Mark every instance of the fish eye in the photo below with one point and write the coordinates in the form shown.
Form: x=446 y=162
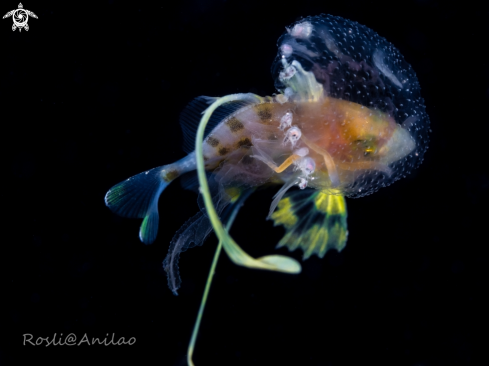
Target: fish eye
x=369 y=150
x=368 y=146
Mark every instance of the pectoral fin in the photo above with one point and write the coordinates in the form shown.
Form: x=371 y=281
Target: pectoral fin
x=315 y=221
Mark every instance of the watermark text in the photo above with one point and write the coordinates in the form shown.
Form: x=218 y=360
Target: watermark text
x=72 y=340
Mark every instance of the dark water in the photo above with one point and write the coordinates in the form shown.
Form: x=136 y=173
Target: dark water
x=91 y=94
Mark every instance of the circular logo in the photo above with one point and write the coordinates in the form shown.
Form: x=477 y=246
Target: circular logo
x=20 y=17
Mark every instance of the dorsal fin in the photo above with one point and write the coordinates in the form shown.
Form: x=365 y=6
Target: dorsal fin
x=191 y=115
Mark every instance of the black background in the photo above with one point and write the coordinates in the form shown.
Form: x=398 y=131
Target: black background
x=91 y=94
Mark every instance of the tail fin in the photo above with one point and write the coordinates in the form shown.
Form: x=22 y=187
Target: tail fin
x=138 y=197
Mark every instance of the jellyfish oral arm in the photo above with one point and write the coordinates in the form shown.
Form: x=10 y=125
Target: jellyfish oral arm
x=278 y=169
x=328 y=161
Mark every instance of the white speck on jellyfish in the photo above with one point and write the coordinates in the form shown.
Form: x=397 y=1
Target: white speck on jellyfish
x=286 y=49
x=287 y=73
x=378 y=59
x=301 y=30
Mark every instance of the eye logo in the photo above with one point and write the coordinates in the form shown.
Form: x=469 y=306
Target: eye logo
x=20 y=17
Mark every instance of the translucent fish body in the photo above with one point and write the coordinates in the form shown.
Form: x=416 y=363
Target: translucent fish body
x=343 y=138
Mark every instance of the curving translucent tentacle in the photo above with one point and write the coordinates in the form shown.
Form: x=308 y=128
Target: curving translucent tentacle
x=278 y=196
x=328 y=161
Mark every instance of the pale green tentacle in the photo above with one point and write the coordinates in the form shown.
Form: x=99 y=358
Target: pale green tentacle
x=195 y=331
x=278 y=263
x=191 y=345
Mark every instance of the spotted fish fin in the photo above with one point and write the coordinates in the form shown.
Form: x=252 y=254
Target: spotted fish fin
x=315 y=221
x=191 y=115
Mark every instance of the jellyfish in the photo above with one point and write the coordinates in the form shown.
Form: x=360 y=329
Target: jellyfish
x=347 y=119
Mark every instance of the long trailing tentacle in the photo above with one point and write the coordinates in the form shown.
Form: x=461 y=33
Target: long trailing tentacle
x=229 y=216
x=278 y=263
